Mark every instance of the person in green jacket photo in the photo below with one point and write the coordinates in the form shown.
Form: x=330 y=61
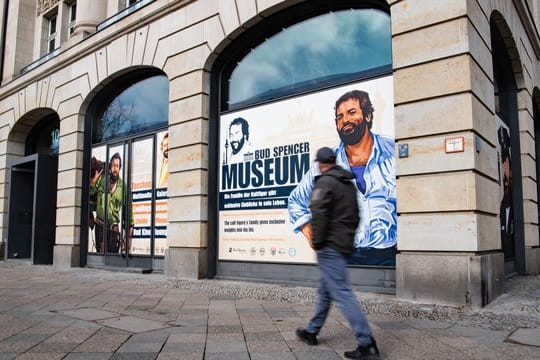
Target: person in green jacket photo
x=116 y=198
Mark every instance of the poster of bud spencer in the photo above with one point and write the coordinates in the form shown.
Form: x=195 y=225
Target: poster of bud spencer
x=267 y=172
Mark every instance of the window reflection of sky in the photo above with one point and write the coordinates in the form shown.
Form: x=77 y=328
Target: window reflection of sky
x=341 y=42
x=141 y=107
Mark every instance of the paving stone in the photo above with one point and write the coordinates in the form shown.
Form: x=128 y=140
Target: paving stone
x=186 y=338
x=182 y=356
x=89 y=314
x=88 y=356
x=220 y=338
x=133 y=356
x=281 y=355
x=319 y=355
x=191 y=322
x=140 y=347
x=233 y=346
x=132 y=324
x=52 y=347
x=427 y=324
x=226 y=329
x=264 y=336
x=8 y=356
x=41 y=356
x=523 y=336
x=267 y=346
x=227 y=356
x=179 y=347
x=189 y=330
x=15 y=346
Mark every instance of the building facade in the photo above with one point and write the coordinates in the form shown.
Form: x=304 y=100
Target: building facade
x=179 y=136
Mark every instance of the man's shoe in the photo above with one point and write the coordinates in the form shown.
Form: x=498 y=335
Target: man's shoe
x=364 y=352
x=306 y=336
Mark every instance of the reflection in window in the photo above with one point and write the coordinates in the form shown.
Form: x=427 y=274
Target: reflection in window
x=327 y=49
x=141 y=107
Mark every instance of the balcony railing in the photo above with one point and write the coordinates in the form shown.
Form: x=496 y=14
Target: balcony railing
x=122 y=14
x=41 y=60
x=102 y=25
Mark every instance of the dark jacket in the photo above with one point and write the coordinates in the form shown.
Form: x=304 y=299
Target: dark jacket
x=334 y=210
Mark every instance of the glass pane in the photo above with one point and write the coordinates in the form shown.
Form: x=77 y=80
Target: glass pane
x=108 y=195
x=162 y=179
x=141 y=189
x=141 y=107
x=97 y=188
x=326 y=49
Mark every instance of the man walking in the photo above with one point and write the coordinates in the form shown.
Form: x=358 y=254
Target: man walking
x=334 y=212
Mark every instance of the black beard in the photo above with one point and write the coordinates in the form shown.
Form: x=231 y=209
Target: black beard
x=239 y=144
x=355 y=135
x=113 y=177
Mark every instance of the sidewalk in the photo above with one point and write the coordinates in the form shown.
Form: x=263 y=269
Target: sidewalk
x=51 y=313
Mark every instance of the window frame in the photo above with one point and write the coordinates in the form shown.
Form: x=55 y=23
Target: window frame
x=72 y=17
x=51 y=32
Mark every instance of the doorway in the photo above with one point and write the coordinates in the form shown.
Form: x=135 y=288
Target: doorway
x=32 y=209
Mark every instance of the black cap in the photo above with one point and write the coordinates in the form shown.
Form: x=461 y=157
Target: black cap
x=326 y=155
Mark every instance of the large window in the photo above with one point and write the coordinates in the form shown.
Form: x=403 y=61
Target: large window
x=331 y=48
x=129 y=170
x=137 y=109
x=288 y=88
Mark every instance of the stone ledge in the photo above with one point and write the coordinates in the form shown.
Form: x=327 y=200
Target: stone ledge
x=464 y=279
x=67 y=256
x=186 y=263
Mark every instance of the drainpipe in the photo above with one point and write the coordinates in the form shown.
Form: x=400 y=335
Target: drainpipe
x=3 y=30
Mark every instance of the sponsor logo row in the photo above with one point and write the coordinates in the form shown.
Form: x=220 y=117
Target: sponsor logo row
x=274 y=251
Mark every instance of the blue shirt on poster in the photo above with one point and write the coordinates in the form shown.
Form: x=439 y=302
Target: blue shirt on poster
x=377 y=204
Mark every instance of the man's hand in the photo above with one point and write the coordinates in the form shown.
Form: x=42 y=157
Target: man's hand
x=307 y=231
x=96 y=177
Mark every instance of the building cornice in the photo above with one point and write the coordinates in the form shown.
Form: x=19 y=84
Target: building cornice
x=44 y=5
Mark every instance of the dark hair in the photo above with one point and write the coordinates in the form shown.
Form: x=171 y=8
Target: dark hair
x=95 y=166
x=115 y=156
x=504 y=141
x=245 y=126
x=363 y=101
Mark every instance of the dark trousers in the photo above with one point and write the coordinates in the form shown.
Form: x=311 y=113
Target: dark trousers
x=334 y=286
x=113 y=238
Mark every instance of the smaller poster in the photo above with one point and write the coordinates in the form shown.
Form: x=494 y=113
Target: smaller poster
x=162 y=181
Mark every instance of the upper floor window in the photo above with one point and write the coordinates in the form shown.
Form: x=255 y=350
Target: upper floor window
x=335 y=47
x=141 y=107
x=72 y=15
x=131 y=2
x=51 y=34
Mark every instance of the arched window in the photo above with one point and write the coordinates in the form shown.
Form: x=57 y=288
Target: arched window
x=128 y=171
x=331 y=48
x=279 y=84
x=139 y=108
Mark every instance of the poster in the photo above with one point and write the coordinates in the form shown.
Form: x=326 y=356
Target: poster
x=108 y=201
x=266 y=172
x=162 y=181
x=506 y=214
x=141 y=193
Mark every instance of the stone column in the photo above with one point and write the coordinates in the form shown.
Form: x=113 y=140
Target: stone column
x=448 y=230
x=89 y=14
x=70 y=164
